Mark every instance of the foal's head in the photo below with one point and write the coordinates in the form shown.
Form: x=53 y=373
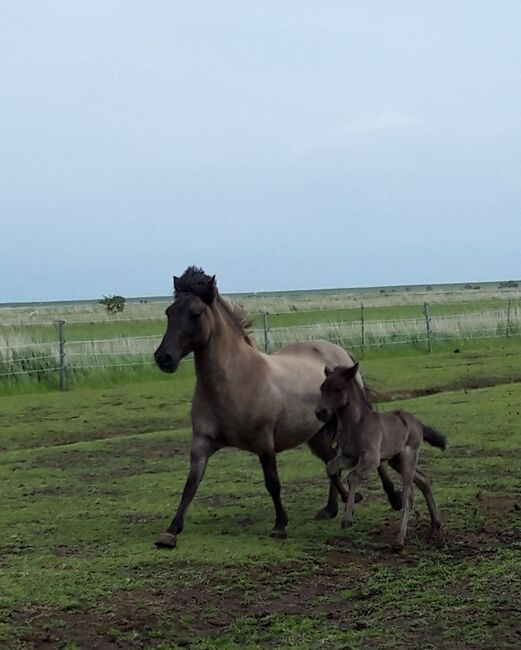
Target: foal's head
x=336 y=391
x=190 y=318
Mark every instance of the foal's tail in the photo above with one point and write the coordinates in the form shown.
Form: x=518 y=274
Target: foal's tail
x=434 y=438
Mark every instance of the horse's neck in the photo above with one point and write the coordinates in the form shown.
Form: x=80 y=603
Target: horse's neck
x=226 y=358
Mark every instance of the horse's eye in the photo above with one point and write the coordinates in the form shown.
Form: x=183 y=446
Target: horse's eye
x=195 y=316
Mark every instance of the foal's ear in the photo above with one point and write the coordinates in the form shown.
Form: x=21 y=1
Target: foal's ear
x=176 y=284
x=350 y=373
x=327 y=371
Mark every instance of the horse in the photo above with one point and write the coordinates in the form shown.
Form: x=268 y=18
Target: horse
x=244 y=398
x=366 y=438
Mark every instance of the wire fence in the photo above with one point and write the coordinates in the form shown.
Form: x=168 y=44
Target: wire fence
x=67 y=360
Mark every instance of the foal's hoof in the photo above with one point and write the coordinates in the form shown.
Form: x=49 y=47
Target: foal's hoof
x=359 y=497
x=166 y=540
x=325 y=514
x=278 y=533
x=346 y=523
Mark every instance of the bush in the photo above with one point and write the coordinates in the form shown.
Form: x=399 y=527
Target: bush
x=113 y=304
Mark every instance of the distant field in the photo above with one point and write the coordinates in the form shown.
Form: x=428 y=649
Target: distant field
x=94 y=474
x=121 y=345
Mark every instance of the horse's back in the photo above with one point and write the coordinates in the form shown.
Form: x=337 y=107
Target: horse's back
x=328 y=353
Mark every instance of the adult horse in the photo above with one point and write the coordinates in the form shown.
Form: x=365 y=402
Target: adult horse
x=244 y=398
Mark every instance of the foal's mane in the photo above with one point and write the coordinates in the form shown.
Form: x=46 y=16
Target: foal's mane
x=363 y=392
x=196 y=282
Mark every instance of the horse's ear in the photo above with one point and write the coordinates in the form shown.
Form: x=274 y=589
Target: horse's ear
x=327 y=371
x=176 y=283
x=350 y=373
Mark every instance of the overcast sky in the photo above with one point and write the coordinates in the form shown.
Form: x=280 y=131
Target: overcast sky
x=279 y=145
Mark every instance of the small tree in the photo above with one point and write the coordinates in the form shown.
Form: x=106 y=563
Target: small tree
x=113 y=304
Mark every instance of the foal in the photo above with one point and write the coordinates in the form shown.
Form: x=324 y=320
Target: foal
x=366 y=438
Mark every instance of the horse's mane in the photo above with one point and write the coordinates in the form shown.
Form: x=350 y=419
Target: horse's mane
x=195 y=281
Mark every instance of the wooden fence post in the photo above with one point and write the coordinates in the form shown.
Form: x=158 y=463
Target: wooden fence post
x=266 y=334
x=428 y=325
x=61 y=342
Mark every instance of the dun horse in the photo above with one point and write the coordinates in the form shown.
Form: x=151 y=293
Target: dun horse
x=367 y=438
x=243 y=398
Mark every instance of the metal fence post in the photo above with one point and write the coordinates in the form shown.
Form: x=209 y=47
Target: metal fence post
x=363 y=325
x=266 y=334
x=61 y=367
x=509 y=305
x=428 y=325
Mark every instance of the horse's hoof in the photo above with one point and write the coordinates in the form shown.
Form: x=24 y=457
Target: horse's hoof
x=278 y=533
x=345 y=523
x=397 y=547
x=166 y=540
x=324 y=514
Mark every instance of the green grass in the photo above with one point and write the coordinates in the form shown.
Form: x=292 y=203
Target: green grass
x=91 y=476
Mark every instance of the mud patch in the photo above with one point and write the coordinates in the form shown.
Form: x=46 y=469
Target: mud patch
x=131 y=450
x=473 y=383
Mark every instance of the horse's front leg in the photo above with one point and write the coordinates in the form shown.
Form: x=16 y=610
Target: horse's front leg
x=271 y=480
x=201 y=449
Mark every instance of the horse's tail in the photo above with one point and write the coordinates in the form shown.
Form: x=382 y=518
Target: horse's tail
x=434 y=438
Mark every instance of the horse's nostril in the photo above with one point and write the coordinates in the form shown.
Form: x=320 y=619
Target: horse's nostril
x=163 y=359
x=321 y=414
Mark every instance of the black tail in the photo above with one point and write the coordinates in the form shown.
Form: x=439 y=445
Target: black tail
x=434 y=438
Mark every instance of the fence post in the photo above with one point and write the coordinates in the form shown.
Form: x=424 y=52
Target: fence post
x=61 y=367
x=428 y=325
x=266 y=334
x=509 y=304
x=363 y=325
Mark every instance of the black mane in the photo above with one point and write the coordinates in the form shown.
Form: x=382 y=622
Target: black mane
x=194 y=280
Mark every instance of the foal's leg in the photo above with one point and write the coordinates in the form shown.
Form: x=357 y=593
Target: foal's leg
x=425 y=486
x=365 y=464
x=201 y=450
x=271 y=480
x=407 y=463
x=322 y=447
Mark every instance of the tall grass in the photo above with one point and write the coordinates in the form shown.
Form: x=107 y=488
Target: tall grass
x=29 y=354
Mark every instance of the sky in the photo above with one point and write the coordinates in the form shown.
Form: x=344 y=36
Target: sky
x=278 y=145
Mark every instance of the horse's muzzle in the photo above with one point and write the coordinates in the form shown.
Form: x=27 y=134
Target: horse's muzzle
x=323 y=415
x=165 y=361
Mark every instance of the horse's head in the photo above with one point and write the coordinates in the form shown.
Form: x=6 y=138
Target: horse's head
x=190 y=318
x=335 y=391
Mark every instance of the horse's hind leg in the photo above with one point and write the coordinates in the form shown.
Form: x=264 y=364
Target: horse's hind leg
x=425 y=486
x=201 y=450
x=271 y=480
x=322 y=447
x=394 y=495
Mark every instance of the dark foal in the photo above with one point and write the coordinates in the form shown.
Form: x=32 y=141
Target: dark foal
x=367 y=438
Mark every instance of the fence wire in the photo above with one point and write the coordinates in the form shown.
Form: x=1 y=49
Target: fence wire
x=19 y=357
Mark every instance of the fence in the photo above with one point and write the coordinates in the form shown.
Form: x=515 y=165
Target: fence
x=66 y=359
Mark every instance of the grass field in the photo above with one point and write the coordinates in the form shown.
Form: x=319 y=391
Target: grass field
x=92 y=475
